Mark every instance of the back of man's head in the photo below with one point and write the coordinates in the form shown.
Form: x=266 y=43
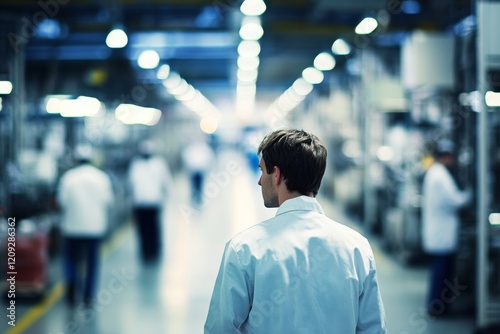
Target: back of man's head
x=445 y=147
x=445 y=152
x=146 y=148
x=300 y=156
x=83 y=154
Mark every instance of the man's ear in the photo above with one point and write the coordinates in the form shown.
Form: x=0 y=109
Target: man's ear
x=277 y=176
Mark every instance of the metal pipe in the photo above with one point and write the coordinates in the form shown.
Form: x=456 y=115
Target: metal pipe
x=483 y=170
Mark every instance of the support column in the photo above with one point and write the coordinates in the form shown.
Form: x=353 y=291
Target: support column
x=16 y=69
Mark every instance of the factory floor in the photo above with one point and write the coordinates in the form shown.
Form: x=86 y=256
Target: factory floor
x=172 y=296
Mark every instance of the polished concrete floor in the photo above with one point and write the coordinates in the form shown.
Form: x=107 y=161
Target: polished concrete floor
x=172 y=296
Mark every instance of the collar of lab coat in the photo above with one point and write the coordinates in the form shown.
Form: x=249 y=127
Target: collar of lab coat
x=301 y=203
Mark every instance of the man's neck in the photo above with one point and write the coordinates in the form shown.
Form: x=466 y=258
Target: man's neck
x=290 y=195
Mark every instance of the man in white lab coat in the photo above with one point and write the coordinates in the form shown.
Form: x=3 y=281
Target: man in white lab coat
x=149 y=180
x=198 y=158
x=441 y=202
x=85 y=196
x=299 y=272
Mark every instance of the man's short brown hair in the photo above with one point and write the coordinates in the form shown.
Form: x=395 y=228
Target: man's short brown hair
x=300 y=156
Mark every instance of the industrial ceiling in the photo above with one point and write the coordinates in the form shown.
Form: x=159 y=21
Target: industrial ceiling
x=197 y=38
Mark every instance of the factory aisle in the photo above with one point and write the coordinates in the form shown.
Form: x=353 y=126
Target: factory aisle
x=173 y=295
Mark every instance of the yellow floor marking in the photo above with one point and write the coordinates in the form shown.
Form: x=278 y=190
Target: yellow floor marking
x=38 y=310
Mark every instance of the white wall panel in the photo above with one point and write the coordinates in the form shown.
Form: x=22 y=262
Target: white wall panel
x=428 y=60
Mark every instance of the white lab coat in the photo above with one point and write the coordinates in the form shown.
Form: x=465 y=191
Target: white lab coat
x=441 y=201
x=149 y=180
x=198 y=157
x=85 y=195
x=299 y=272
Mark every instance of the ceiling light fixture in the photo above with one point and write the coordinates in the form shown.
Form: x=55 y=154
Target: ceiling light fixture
x=249 y=49
x=251 y=31
x=188 y=95
x=82 y=106
x=494 y=218
x=209 y=124
x=324 y=62
x=253 y=7
x=163 y=72
x=312 y=75
x=248 y=63
x=5 y=87
x=172 y=81
x=148 y=59
x=302 y=87
x=133 y=114
x=180 y=89
x=117 y=38
x=366 y=26
x=492 y=99
x=248 y=76
x=340 y=47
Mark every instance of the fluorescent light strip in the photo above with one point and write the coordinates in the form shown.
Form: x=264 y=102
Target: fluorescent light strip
x=492 y=99
x=253 y=7
x=190 y=97
x=366 y=26
x=83 y=106
x=5 y=87
x=133 y=114
x=494 y=219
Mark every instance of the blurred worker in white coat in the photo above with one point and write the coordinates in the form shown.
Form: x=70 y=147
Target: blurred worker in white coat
x=85 y=196
x=149 y=180
x=442 y=200
x=198 y=158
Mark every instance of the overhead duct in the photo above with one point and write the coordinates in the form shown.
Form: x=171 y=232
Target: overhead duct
x=353 y=5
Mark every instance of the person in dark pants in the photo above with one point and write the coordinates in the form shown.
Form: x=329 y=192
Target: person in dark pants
x=441 y=201
x=149 y=179
x=149 y=231
x=197 y=180
x=85 y=197
x=81 y=252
